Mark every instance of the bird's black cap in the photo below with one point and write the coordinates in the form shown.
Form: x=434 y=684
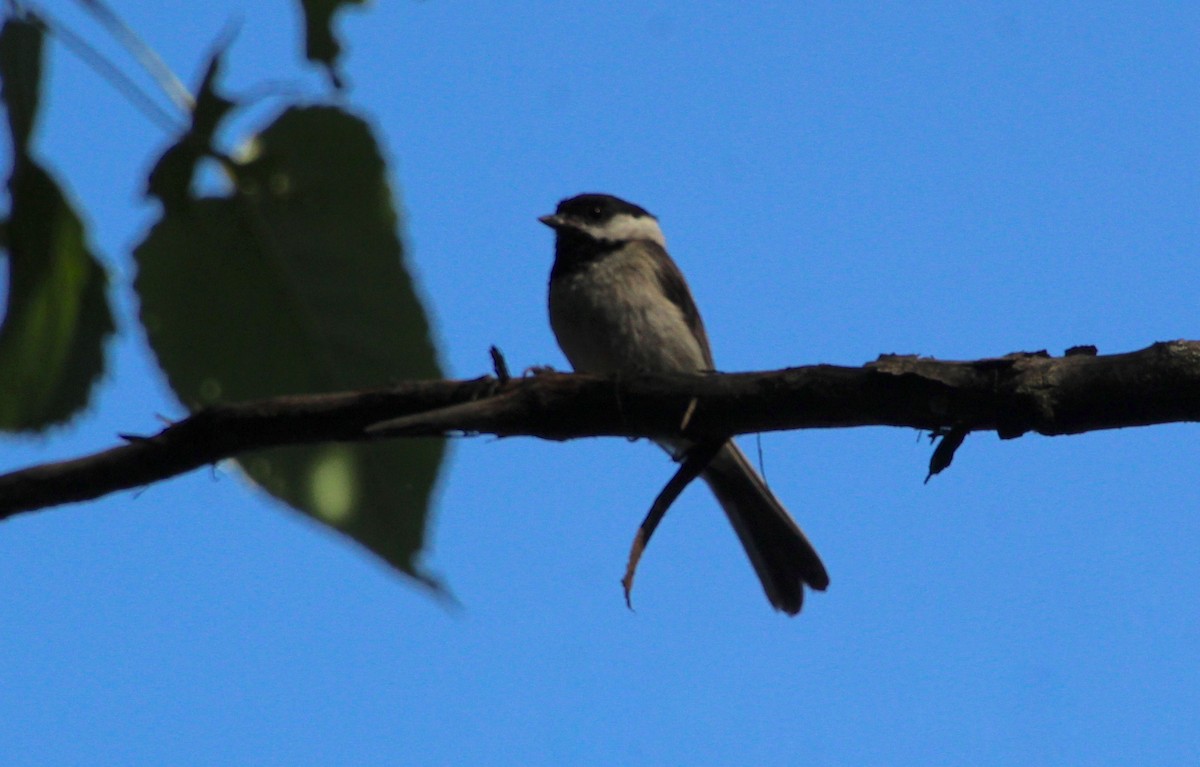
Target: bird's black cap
x=597 y=207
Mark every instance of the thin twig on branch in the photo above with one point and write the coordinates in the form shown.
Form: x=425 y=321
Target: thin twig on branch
x=1011 y=395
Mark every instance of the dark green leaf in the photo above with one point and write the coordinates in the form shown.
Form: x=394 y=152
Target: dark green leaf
x=52 y=340
x=171 y=179
x=21 y=72
x=320 y=44
x=57 y=318
x=296 y=284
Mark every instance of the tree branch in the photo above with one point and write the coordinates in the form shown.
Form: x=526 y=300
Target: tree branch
x=1011 y=395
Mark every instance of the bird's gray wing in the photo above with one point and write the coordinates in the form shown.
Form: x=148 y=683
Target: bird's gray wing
x=670 y=279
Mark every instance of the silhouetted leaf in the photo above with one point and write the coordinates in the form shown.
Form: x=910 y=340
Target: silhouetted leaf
x=171 y=178
x=52 y=340
x=21 y=72
x=57 y=316
x=320 y=45
x=293 y=284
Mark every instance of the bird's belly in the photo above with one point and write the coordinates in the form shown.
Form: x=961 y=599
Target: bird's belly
x=613 y=322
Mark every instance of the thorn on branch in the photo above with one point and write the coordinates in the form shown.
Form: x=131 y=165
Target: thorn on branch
x=695 y=461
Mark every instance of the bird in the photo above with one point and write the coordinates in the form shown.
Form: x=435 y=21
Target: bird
x=619 y=304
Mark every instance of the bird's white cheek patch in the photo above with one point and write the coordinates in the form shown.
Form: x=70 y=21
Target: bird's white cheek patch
x=626 y=228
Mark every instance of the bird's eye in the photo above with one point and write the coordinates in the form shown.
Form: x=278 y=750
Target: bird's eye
x=595 y=212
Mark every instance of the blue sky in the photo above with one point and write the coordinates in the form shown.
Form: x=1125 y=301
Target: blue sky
x=837 y=181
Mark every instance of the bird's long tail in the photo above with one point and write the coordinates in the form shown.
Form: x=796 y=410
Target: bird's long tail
x=782 y=556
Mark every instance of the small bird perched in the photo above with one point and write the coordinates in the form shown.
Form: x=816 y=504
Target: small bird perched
x=619 y=304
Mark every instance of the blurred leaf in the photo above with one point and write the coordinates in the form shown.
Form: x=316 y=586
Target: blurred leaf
x=21 y=72
x=57 y=317
x=294 y=284
x=52 y=340
x=320 y=44
x=171 y=179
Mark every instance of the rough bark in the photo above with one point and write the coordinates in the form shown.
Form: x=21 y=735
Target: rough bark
x=1012 y=395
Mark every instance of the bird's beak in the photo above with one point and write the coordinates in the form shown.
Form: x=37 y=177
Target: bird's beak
x=554 y=222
